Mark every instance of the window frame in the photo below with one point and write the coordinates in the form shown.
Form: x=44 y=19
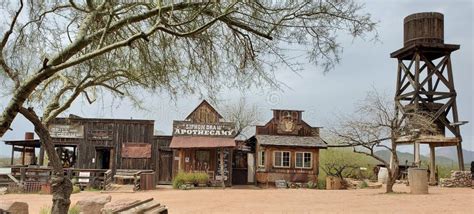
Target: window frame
x=260 y=161
x=302 y=162
x=274 y=159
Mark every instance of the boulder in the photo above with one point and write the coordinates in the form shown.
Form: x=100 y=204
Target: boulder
x=118 y=204
x=93 y=205
x=14 y=207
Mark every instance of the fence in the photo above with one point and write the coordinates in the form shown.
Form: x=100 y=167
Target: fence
x=31 y=179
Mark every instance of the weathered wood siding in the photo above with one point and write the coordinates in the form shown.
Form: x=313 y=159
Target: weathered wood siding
x=113 y=134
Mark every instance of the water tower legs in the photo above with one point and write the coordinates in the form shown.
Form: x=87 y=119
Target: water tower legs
x=433 y=180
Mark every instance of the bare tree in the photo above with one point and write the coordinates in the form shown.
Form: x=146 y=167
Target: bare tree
x=177 y=45
x=376 y=126
x=243 y=114
x=53 y=52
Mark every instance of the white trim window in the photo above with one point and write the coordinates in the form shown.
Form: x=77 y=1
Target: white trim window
x=303 y=160
x=281 y=159
x=261 y=159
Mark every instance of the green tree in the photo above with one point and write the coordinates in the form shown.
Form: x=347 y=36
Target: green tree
x=53 y=52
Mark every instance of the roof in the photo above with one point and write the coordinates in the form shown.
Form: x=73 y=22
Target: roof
x=78 y=118
x=283 y=140
x=27 y=143
x=201 y=142
x=204 y=102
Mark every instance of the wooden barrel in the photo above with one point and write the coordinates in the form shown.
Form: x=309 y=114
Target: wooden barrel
x=423 y=28
x=147 y=181
x=418 y=179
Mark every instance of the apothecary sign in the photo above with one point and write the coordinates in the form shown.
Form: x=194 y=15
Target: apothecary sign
x=222 y=129
x=66 y=131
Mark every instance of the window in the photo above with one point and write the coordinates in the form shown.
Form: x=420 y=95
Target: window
x=303 y=160
x=261 y=158
x=281 y=159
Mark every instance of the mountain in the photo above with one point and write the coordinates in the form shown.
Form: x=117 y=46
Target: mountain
x=405 y=156
x=451 y=152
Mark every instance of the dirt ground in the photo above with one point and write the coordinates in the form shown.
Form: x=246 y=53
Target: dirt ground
x=248 y=200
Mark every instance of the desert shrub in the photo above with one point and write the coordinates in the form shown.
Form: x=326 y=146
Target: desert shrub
x=312 y=185
x=343 y=162
x=321 y=183
x=72 y=210
x=201 y=177
x=76 y=189
x=189 y=177
x=363 y=185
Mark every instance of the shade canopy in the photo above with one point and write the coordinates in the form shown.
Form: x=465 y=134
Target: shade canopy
x=201 y=142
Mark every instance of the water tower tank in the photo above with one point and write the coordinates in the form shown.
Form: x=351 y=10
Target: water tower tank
x=424 y=28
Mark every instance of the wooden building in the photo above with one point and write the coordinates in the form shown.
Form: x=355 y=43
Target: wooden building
x=204 y=142
x=287 y=148
x=93 y=143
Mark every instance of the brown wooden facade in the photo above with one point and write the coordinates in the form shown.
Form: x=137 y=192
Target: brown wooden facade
x=287 y=133
x=108 y=143
x=202 y=150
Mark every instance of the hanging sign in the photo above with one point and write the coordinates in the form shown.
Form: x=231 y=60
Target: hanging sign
x=66 y=131
x=222 y=129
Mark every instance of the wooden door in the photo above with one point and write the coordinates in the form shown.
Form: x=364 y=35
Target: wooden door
x=166 y=167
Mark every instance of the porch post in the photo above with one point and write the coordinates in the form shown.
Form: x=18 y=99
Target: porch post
x=13 y=153
x=23 y=156
x=222 y=166
x=432 y=165
x=181 y=160
x=417 y=154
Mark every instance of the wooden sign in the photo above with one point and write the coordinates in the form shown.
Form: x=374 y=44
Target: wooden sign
x=100 y=135
x=187 y=128
x=66 y=131
x=136 y=150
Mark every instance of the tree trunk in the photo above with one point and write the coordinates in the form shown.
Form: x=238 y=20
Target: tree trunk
x=392 y=176
x=61 y=185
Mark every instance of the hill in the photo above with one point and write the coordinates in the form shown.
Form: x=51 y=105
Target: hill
x=405 y=156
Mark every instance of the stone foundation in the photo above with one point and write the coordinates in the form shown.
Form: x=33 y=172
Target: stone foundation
x=458 y=179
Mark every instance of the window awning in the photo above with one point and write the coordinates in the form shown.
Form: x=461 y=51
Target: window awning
x=201 y=142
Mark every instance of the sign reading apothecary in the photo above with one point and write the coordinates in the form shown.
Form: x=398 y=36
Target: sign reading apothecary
x=221 y=129
x=66 y=131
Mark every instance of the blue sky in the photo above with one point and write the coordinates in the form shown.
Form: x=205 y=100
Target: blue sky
x=365 y=65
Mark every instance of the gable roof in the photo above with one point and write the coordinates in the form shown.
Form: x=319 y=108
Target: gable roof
x=204 y=102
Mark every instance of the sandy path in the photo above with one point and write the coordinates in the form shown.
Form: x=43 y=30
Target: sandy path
x=441 y=200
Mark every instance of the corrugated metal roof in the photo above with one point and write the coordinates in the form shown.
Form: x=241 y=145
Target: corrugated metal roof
x=201 y=142
x=281 y=140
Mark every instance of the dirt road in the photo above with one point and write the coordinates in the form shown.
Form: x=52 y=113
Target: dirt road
x=440 y=200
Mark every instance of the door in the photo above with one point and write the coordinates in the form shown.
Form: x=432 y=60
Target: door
x=251 y=167
x=102 y=158
x=166 y=167
x=239 y=168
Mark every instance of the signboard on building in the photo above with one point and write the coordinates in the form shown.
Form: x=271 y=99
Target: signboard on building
x=187 y=128
x=136 y=150
x=66 y=131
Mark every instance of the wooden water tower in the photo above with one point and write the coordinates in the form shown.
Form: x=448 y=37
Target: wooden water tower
x=425 y=84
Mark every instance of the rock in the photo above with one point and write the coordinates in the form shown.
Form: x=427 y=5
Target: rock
x=93 y=205
x=119 y=204
x=458 y=179
x=14 y=207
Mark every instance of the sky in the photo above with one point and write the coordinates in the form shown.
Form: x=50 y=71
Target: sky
x=365 y=66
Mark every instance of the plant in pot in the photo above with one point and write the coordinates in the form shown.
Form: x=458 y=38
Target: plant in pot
x=202 y=179
x=189 y=179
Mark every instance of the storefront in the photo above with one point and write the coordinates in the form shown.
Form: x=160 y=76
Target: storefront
x=287 y=148
x=204 y=142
